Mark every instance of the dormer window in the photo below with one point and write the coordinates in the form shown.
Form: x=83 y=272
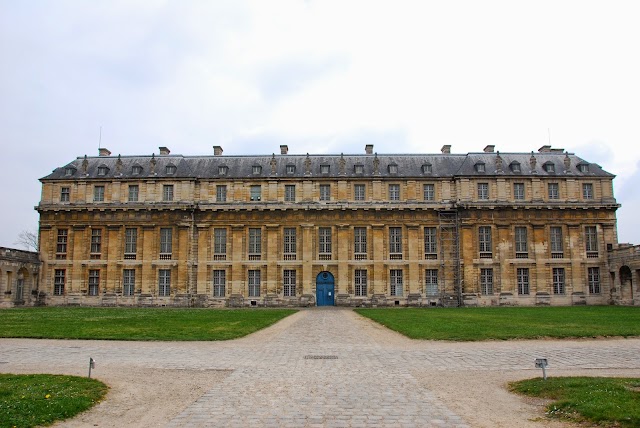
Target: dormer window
x=426 y=168
x=324 y=169
x=256 y=169
x=393 y=168
x=480 y=167
x=103 y=170
x=136 y=170
x=291 y=169
x=583 y=167
x=170 y=169
x=515 y=167
x=69 y=171
x=550 y=167
x=358 y=169
x=223 y=170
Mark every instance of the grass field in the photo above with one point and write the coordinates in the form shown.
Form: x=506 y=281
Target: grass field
x=136 y=323
x=608 y=402
x=470 y=324
x=41 y=399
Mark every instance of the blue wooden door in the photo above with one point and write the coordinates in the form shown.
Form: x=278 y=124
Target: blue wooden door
x=325 y=289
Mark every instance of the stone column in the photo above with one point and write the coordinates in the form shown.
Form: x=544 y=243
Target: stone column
x=236 y=284
x=378 y=285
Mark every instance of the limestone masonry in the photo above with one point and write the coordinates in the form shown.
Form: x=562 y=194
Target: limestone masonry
x=443 y=229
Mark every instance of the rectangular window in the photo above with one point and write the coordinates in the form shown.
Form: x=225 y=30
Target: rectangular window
x=130 y=243
x=360 y=282
x=96 y=243
x=594 y=280
x=219 y=283
x=221 y=193
x=522 y=251
x=290 y=247
x=486 y=281
x=591 y=241
x=254 y=283
x=255 y=244
x=587 y=191
x=554 y=191
x=324 y=169
x=61 y=244
x=256 y=193
x=396 y=282
x=58 y=282
x=219 y=244
x=360 y=243
x=431 y=282
x=359 y=192
x=98 y=193
x=522 y=276
x=167 y=192
x=134 y=191
x=94 y=282
x=325 y=192
x=483 y=191
x=558 y=281
x=429 y=191
x=394 y=192
x=395 y=243
x=518 y=191
x=484 y=241
x=166 y=236
x=128 y=282
x=324 y=243
x=164 y=282
x=289 y=283
x=430 y=244
x=557 y=247
x=65 y=194
x=290 y=193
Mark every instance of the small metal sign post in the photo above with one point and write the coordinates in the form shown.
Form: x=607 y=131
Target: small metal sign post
x=92 y=365
x=541 y=363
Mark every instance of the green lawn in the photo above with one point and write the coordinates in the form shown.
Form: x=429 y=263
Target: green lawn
x=136 y=323
x=608 y=402
x=469 y=324
x=41 y=399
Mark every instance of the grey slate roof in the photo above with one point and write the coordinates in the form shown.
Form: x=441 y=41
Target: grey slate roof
x=408 y=166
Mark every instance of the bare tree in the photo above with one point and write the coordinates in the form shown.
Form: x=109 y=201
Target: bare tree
x=28 y=240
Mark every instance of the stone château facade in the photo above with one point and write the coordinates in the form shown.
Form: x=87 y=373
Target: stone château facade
x=485 y=228
x=19 y=278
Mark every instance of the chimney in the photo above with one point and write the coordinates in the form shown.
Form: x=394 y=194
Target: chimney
x=368 y=149
x=544 y=149
x=446 y=148
x=217 y=150
x=284 y=149
x=489 y=148
x=104 y=152
x=164 y=150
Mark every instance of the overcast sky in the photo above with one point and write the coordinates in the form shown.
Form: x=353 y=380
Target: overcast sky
x=320 y=76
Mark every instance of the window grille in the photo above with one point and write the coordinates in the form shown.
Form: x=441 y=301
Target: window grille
x=167 y=192
x=522 y=251
x=254 y=283
x=256 y=193
x=59 y=282
x=219 y=244
x=65 y=194
x=325 y=192
x=587 y=191
x=360 y=282
x=289 y=286
x=484 y=241
x=94 y=282
x=221 y=193
x=324 y=241
x=128 y=282
x=359 y=192
x=290 y=193
x=290 y=249
x=431 y=282
x=395 y=243
x=430 y=243
x=518 y=191
x=134 y=190
x=394 y=192
x=164 y=282
x=96 y=243
x=558 y=281
x=429 y=192
x=166 y=235
x=554 y=191
x=291 y=169
x=486 y=281
x=98 y=194
x=170 y=169
x=61 y=244
x=130 y=243
x=358 y=169
x=557 y=247
x=255 y=244
x=591 y=241
x=522 y=277
x=219 y=283
x=360 y=243
x=594 y=280
x=483 y=191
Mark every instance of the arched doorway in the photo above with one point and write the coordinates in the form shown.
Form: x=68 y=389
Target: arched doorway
x=626 y=283
x=325 y=285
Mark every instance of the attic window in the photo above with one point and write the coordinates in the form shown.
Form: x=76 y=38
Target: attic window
x=170 y=169
x=256 y=169
x=549 y=167
x=324 y=169
x=358 y=169
x=426 y=168
x=480 y=167
x=515 y=166
x=291 y=169
x=223 y=170
x=69 y=171
x=103 y=170
x=393 y=168
x=583 y=167
x=136 y=170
